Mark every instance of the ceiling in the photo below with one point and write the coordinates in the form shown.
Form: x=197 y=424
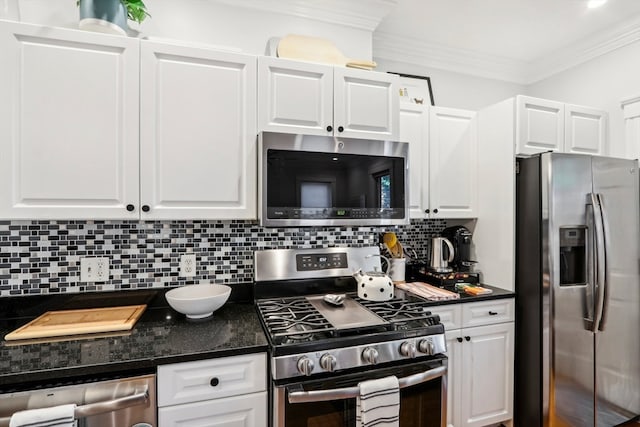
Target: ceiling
x=515 y=40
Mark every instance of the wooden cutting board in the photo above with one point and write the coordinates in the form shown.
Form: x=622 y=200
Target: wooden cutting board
x=74 y=322
x=316 y=49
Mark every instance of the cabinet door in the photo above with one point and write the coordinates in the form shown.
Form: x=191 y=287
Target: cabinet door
x=540 y=125
x=414 y=129
x=454 y=376
x=295 y=97
x=198 y=133
x=365 y=104
x=241 y=411
x=452 y=163
x=585 y=130
x=487 y=363
x=68 y=123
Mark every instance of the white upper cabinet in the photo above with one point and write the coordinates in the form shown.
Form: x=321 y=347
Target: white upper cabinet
x=68 y=123
x=198 y=133
x=317 y=99
x=540 y=125
x=452 y=163
x=545 y=125
x=442 y=158
x=585 y=130
x=365 y=104
x=414 y=129
x=95 y=126
x=295 y=97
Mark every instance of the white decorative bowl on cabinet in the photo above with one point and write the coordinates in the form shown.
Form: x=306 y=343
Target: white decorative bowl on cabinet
x=198 y=301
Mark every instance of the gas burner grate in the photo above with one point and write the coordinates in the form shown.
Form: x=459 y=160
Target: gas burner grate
x=401 y=312
x=293 y=318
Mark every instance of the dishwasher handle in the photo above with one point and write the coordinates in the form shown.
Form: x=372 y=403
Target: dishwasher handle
x=139 y=397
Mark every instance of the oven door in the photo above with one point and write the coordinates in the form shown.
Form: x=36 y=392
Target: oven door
x=331 y=401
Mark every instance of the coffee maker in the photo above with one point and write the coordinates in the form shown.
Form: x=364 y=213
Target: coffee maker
x=460 y=265
x=460 y=238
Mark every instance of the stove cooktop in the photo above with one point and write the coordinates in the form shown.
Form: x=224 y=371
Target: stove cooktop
x=309 y=323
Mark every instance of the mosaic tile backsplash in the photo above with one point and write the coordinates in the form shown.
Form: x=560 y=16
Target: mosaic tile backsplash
x=43 y=257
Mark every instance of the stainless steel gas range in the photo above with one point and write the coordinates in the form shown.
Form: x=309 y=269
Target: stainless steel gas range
x=323 y=347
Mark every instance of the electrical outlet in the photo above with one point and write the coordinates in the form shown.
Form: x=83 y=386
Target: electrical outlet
x=95 y=269
x=187 y=265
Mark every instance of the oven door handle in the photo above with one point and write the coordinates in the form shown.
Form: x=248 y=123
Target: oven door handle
x=353 y=392
x=140 y=397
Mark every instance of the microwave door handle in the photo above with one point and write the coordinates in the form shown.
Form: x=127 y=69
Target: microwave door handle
x=604 y=298
x=139 y=397
x=353 y=392
x=600 y=260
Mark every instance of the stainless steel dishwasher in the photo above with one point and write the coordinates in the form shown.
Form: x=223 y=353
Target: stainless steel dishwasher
x=125 y=402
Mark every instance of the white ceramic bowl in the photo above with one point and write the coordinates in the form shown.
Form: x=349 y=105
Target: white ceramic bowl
x=198 y=301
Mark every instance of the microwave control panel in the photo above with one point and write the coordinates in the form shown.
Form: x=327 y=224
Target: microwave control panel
x=311 y=262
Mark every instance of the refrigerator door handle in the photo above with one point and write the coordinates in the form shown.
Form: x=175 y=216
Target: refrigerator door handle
x=600 y=260
x=605 y=274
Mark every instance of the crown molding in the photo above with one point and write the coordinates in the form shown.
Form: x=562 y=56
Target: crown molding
x=359 y=14
x=388 y=46
x=585 y=50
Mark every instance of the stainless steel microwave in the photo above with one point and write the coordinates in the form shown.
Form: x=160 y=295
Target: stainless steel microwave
x=307 y=180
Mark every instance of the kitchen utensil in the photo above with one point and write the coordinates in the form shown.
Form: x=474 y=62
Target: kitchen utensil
x=334 y=299
x=74 y=322
x=374 y=285
x=395 y=248
x=198 y=301
x=316 y=49
x=439 y=262
x=390 y=239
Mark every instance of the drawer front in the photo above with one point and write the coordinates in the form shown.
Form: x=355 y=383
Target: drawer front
x=488 y=312
x=241 y=411
x=450 y=315
x=211 y=379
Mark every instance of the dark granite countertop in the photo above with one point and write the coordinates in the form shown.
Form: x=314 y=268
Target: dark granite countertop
x=159 y=337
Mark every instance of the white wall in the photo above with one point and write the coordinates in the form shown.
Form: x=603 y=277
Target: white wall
x=457 y=90
x=603 y=83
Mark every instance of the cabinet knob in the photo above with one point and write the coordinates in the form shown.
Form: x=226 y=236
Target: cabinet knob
x=435 y=210
x=459 y=339
x=427 y=211
x=493 y=313
x=468 y=338
x=329 y=128
x=130 y=207
x=214 y=382
x=145 y=208
x=340 y=128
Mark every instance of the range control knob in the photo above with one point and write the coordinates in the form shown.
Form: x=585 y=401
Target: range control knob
x=328 y=362
x=305 y=365
x=408 y=349
x=426 y=347
x=370 y=355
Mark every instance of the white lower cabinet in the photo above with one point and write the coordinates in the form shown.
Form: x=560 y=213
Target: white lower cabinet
x=480 y=348
x=229 y=391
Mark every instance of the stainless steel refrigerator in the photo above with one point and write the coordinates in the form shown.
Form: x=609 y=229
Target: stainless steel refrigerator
x=577 y=291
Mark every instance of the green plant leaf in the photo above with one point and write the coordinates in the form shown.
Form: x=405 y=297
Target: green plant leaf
x=136 y=10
